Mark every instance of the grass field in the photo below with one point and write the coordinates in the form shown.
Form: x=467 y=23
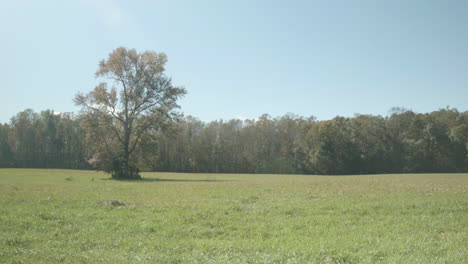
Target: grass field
x=66 y=216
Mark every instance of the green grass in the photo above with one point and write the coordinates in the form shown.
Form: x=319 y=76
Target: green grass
x=67 y=216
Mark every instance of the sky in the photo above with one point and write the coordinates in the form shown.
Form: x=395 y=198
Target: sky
x=244 y=58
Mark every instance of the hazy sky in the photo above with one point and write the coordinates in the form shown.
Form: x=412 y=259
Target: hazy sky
x=240 y=59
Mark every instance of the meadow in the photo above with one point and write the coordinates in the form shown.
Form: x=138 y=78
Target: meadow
x=70 y=216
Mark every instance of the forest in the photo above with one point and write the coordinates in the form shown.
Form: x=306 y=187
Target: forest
x=402 y=142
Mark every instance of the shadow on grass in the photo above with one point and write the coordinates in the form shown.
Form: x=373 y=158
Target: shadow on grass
x=164 y=180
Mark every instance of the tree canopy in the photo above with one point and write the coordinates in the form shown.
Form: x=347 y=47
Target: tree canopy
x=137 y=100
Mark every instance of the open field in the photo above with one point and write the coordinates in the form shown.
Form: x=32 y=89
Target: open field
x=67 y=216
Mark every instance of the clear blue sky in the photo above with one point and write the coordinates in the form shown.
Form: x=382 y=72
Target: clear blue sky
x=243 y=58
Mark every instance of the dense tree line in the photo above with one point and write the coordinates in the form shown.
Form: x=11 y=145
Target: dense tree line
x=43 y=140
x=404 y=141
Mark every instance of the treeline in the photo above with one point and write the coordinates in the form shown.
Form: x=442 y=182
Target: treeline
x=404 y=141
x=43 y=140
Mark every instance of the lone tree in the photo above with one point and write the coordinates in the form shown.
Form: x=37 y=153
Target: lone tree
x=137 y=100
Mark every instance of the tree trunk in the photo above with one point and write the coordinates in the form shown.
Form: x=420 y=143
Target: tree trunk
x=126 y=155
x=125 y=170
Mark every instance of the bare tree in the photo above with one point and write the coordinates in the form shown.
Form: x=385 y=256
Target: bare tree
x=140 y=100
